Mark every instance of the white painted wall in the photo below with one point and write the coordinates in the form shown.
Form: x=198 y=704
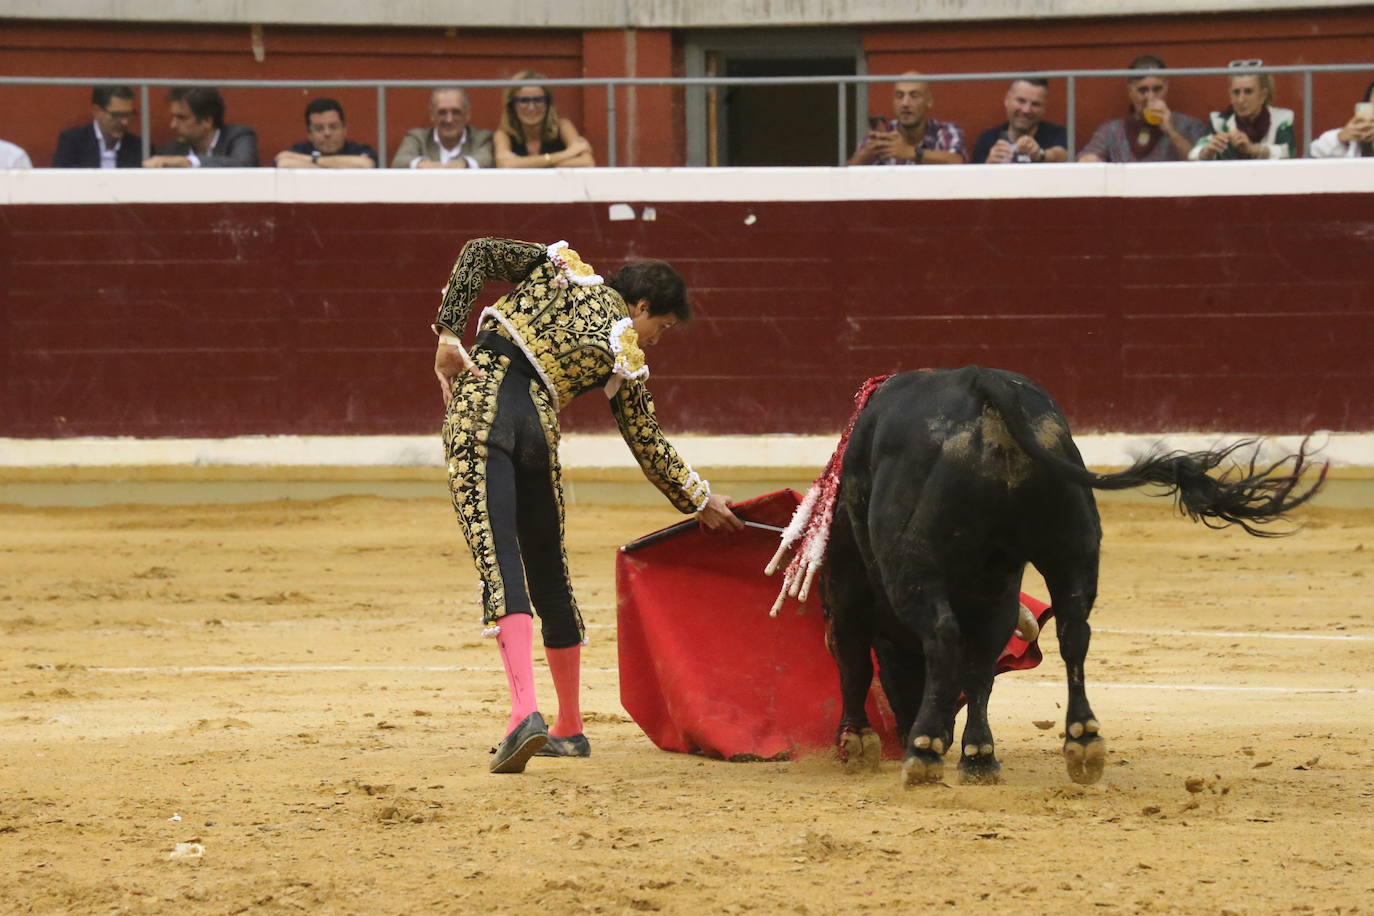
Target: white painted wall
x=1246 y=178
x=600 y=14
x=579 y=452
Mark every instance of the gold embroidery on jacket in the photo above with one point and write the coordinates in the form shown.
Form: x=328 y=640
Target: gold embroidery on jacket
x=567 y=331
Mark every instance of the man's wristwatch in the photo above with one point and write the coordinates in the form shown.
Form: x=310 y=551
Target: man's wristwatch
x=315 y=156
x=920 y=154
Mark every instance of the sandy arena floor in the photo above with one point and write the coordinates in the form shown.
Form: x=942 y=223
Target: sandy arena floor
x=273 y=682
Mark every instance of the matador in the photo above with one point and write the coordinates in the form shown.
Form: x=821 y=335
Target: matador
x=563 y=331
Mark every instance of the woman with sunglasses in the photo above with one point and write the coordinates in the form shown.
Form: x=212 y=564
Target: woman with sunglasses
x=1252 y=127
x=532 y=135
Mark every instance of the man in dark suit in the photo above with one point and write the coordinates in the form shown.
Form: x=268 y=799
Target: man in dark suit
x=105 y=143
x=326 y=145
x=203 y=139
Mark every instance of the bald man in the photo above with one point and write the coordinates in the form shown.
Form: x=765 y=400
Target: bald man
x=912 y=137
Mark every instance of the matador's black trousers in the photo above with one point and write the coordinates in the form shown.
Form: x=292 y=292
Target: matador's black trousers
x=501 y=438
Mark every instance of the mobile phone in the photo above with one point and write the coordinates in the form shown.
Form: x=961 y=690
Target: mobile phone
x=1364 y=110
x=877 y=123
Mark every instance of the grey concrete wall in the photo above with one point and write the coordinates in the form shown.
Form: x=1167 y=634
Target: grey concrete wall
x=582 y=14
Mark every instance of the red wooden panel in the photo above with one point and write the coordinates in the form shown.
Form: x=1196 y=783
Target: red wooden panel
x=148 y=310
x=182 y=278
x=1249 y=347
x=1182 y=301
x=1254 y=317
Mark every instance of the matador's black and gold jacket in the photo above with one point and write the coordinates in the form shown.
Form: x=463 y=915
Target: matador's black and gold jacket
x=578 y=335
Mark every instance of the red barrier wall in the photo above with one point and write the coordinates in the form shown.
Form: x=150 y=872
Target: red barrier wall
x=1138 y=314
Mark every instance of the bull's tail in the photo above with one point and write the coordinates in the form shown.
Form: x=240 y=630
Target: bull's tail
x=1246 y=494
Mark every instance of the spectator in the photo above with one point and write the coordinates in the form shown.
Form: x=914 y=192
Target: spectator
x=105 y=143
x=532 y=135
x=1025 y=136
x=12 y=157
x=1355 y=139
x=1251 y=127
x=203 y=139
x=450 y=143
x=912 y=137
x=326 y=145
x=1150 y=132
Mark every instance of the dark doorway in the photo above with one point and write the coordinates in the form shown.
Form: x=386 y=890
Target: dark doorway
x=781 y=125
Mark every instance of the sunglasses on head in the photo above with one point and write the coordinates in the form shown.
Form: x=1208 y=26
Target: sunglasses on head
x=1246 y=64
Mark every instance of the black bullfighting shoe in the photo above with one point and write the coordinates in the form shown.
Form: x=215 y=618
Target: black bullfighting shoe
x=574 y=746
x=520 y=745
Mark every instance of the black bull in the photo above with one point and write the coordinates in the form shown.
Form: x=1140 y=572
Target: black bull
x=954 y=480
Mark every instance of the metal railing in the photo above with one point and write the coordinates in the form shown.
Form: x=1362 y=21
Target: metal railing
x=612 y=84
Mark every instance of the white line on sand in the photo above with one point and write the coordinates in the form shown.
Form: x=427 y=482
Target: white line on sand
x=1231 y=634
x=1218 y=688
x=1216 y=634
x=288 y=669
x=371 y=669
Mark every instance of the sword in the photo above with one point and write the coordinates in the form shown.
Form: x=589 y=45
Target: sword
x=691 y=523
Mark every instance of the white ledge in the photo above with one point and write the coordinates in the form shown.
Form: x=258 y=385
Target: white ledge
x=582 y=451
x=602 y=14
x=666 y=185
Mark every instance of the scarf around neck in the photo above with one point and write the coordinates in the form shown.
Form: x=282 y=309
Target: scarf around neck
x=1143 y=135
x=1256 y=128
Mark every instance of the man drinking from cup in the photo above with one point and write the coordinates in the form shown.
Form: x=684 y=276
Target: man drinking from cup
x=1151 y=132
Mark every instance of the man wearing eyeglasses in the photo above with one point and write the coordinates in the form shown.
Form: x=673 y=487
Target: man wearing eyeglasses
x=450 y=142
x=326 y=145
x=106 y=142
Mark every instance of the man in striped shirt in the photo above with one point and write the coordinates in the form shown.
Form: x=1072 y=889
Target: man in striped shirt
x=912 y=137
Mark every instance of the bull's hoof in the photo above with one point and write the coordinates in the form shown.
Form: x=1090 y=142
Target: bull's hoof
x=979 y=766
x=1085 y=757
x=923 y=768
x=873 y=749
x=860 y=751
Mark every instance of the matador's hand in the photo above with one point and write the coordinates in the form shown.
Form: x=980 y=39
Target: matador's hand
x=717 y=516
x=449 y=363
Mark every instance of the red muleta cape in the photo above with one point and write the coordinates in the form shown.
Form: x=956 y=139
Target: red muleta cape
x=704 y=669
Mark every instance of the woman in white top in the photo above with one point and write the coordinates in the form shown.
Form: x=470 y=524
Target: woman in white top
x=1353 y=140
x=1251 y=127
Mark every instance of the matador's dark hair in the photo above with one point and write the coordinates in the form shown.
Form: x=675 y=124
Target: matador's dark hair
x=657 y=282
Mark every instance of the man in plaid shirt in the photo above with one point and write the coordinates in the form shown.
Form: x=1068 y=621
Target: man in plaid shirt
x=912 y=138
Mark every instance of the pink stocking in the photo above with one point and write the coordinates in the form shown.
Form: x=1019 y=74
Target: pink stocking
x=516 y=641
x=566 y=667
